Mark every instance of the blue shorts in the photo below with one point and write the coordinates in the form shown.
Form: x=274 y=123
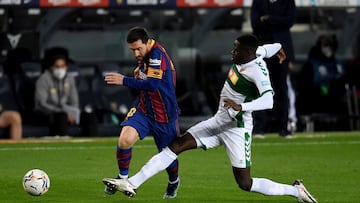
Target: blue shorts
x=163 y=133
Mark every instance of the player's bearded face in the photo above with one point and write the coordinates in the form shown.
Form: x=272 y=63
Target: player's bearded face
x=139 y=49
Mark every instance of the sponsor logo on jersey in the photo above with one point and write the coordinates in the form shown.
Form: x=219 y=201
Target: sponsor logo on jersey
x=265 y=83
x=154 y=62
x=233 y=77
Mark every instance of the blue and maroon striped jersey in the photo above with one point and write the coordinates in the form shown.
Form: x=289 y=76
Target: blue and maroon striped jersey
x=157 y=98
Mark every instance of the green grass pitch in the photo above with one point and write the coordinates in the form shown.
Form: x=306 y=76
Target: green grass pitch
x=329 y=164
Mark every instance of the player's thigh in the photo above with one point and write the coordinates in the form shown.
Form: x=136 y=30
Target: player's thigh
x=206 y=133
x=237 y=142
x=164 y=133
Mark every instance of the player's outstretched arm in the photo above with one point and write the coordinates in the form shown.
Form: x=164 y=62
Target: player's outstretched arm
x=269 y=50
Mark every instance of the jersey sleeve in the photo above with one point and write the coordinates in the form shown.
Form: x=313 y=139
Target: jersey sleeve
x=263 y=102
x=261 y=77
x=268 y=50
x=155 y=64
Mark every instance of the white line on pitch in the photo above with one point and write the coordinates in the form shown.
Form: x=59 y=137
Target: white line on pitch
x=153 y=146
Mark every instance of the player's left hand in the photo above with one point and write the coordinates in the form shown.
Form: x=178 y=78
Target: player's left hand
x=114 y=78
x=281 y=55
x=137 y=73
x=228 y=103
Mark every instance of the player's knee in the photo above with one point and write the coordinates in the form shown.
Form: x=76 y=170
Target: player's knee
x=183 y=143
x=16 y=118
x=126 y=142
x=13 y=118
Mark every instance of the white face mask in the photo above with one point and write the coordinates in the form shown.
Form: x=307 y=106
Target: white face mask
x=59 y=73
x=327 y=51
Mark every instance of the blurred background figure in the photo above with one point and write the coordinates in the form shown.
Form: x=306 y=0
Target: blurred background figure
x=271 y=21
x=292 y=121
x=352 y=72
x=11 y=120
x=322 y=85
x=57 y=100
x=352 y=66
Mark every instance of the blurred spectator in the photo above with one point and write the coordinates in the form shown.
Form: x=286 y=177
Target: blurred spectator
x=14 y=58
x=353 y=66
x=57 y=100
x=292 y=121
x=271 y=21
x=322 y=88
x=54 y=51
x=12 y=120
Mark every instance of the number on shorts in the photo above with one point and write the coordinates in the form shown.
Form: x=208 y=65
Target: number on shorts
x=131 y=113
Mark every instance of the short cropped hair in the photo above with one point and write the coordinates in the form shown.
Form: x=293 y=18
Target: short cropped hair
x=137 y=33
x=249 y=41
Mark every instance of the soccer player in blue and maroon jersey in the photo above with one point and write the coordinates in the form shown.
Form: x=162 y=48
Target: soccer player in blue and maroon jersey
x=155 y=111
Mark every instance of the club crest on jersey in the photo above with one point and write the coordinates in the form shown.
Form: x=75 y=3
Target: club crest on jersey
x=233 y=77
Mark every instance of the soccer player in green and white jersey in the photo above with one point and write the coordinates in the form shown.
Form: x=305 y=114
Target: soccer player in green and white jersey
x=246 y=89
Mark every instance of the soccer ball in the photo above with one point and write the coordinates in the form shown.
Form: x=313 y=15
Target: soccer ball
x=36 y=182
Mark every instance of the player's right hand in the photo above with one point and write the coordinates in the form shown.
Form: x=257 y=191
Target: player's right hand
x=114 y=78
x=281 y=55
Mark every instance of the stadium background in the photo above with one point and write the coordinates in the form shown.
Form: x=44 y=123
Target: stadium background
x=195 y=33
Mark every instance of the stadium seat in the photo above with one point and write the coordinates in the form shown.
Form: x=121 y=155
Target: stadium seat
x=25 y=87
x=9 y=102
x=7 y=97
x=74 y=71
x=111 y=99
x=86 y=97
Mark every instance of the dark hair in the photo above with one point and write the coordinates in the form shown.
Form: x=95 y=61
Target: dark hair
x=52 y=54
x=53 y=59
x=329 y=40
x=137 y=33
x=249 y=41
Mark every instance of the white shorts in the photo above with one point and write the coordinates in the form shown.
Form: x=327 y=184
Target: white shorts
x=237 y=141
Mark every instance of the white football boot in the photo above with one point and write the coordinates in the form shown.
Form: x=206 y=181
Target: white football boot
x=304 y=195
x=121 y=185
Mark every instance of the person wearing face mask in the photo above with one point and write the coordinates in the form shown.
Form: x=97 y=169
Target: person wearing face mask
x=56 y=96
x=322 y=87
